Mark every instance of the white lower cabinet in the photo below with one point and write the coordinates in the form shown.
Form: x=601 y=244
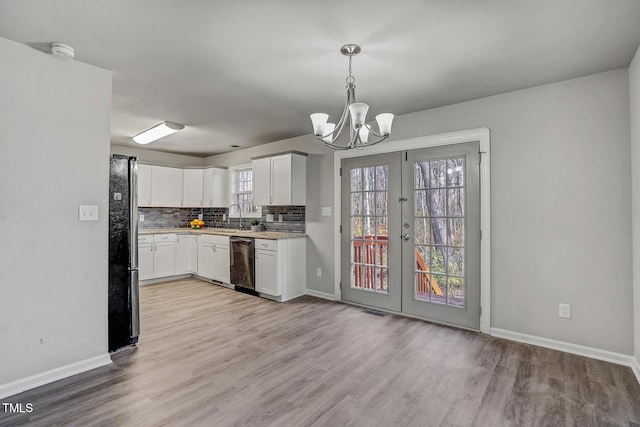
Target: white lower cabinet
x=145 y=257
x=266 y=270
x=164 y=255
x=213 y=257
x=156 y=256
x=186 y=254
x=280 y=267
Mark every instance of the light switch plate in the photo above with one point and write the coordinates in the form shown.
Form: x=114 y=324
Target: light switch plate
x=564 y=311
x=88 y=213
x=141 y=218
x=326 y=211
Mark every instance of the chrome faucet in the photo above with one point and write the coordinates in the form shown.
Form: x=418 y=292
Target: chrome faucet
x=239 y=212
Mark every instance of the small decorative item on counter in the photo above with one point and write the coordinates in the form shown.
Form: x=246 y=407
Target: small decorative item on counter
x=196 y=223
x=255 y=224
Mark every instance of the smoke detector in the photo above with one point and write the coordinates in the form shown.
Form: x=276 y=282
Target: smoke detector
x=62 y=51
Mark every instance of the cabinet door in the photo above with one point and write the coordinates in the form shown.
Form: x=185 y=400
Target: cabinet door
x=144 y=185
x=164 y=259
x=281 y=180
x=262 y=181
x=193 y=248
x=221 y=264
x=184 y=255
x=205 y=260
x=166 y=186
x=192 y=188
x=215 y=188
x=145 y=261
x=267 y=272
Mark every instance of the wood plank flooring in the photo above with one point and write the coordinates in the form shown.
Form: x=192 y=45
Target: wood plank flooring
x=210 y=356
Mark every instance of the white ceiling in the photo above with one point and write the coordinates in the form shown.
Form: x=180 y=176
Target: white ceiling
x=249 y=72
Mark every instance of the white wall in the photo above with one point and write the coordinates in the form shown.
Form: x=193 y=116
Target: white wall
x=560 y=204
x=634 y=95
x=54 y=156
x=561 y=212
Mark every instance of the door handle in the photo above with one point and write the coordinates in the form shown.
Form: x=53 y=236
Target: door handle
x=405 y=236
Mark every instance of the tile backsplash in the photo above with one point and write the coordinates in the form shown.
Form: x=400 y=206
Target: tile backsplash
x=293 y=218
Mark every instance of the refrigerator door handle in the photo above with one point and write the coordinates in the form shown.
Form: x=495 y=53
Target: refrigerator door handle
x=133 y=213
x=135 y=302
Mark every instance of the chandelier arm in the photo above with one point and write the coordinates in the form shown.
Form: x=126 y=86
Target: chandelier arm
x=379 y=135
x=336 y=147
x=375 y=142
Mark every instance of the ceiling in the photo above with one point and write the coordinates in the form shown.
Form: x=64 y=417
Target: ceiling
x=249 y=72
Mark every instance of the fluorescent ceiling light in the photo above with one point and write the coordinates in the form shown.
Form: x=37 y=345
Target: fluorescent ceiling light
x=157 y=132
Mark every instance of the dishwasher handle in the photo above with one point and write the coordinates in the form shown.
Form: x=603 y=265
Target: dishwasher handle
x=241 y=240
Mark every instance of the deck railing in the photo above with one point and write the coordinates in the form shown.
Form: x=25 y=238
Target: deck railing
x=364 y=253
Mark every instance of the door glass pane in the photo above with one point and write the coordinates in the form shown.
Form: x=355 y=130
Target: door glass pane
x=437 y=176
x=422 y=175
x=439 y=213
x=435 y=203
x=455 y=172
x=455 y=202
x=356 y=179
x=369 y=228
x=369 y=203
x=369 y=178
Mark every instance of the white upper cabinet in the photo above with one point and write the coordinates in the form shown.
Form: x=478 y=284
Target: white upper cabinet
x=192 y=188
x=144 y=185
x=280 y=180
x=215 y=189
x=166 y=186
x=161 y=186
x=262 y=181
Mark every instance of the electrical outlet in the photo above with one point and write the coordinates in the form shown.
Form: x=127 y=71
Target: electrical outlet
x=200 y=216
x=318 y=272
x=564 y=311
x=224 y=217
x=141 y=219
x=88 y=213
x=280 y=218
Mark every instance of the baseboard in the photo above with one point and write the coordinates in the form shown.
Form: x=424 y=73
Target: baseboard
x=164 y=279
x=323 y=295
x=580 y=350
x=635 y=367
x=28 y=383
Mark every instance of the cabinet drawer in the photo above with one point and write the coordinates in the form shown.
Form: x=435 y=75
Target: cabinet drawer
x=215 y=239
x=169 y=237
x=145 y=238
x=266 y=244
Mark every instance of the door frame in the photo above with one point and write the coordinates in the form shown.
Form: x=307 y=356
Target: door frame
x=483 y=137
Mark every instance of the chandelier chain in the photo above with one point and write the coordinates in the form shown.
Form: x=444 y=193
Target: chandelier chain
x=350 y=79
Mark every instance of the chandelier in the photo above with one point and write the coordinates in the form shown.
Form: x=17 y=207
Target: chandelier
x=356 y=112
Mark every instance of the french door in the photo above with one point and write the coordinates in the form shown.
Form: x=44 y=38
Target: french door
x=411 y=233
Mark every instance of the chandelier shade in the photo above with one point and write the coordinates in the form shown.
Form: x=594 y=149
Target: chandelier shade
x=355 y=113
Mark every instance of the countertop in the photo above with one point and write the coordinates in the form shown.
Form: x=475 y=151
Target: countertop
x=271 y=235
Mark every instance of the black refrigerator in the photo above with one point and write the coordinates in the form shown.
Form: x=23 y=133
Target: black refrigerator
x=124 y=320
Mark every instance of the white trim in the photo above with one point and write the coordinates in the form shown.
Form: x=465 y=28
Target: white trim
x=635 y=367
x=482 y=135
x=28 y=383
x=323 y=295
x=580 y=350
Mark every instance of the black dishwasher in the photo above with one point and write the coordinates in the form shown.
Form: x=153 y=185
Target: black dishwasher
x=242 y=263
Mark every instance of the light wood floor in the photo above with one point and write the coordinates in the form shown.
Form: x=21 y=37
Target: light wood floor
x=211 y=356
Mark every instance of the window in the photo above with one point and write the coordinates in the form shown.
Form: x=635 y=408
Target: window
x=241 y=192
